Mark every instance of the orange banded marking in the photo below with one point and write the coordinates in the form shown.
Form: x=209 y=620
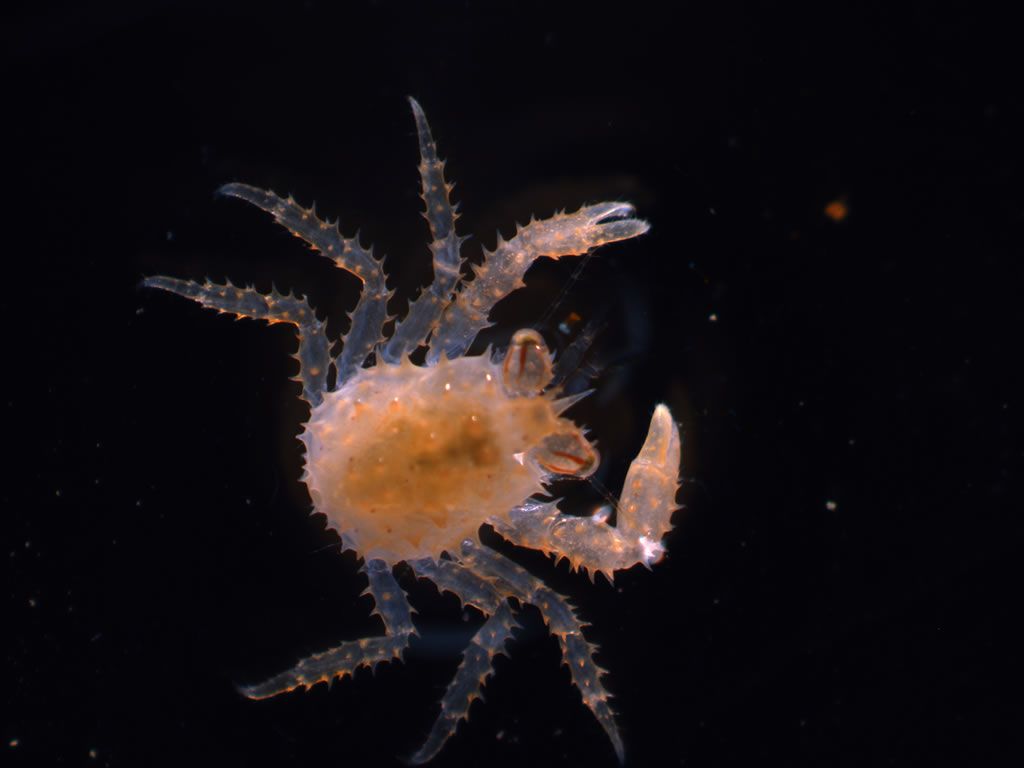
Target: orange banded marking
x=562 y=470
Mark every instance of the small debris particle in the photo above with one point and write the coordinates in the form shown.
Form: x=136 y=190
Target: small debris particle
x=837 y=210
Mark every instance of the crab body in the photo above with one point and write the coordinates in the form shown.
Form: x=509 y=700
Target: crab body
x=408 y=461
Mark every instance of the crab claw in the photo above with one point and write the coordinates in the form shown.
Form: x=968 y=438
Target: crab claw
x=645 y=510
x=649 y=494
x=573 y=234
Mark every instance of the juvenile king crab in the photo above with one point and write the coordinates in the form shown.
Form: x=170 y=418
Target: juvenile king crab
x=408 y=461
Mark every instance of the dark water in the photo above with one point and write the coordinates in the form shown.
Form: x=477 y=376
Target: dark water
x=829 y=301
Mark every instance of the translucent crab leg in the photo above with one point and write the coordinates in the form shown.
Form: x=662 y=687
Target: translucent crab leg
x=476 y=667
x=477 y=662
x=371 y=311
x=647 y=503
x=565 y=234
x=515 y=581
x=570 y=360
x=343 y=660
x=314 y=349
x=425 y=311
x=449 y=576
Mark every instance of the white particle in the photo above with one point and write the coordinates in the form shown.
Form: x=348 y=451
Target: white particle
x=831 y=505
x=447 y=387
x=652 y=550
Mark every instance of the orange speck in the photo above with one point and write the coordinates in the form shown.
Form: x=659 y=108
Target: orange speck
x=837 y=210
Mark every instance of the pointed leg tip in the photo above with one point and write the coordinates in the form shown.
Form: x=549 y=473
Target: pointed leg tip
x=267 y=689
x=237 y=189
x=419 y=757
x=616 y=739
x=249 y=691
x=164 y=283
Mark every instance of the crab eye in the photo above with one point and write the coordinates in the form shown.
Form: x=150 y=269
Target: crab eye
x=566 y=453
x=527 y=367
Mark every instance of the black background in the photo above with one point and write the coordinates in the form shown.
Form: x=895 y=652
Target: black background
x=839 y=589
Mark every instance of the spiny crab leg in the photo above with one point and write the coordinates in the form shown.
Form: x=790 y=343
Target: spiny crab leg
x=341 y=661
x=425 y=312
x=347 y=253
x=648 y=501
x=314 y=348
x=512 y=580
x=564 y=234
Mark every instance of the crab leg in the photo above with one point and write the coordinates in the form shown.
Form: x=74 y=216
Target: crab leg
x=648 y=501
x=449 y=576
x=371 y=311
x=426 y=310
x=514 y=581
x=314 y=350
x=564 y=234
x=478 y=660
x=477 y=665
x=343 y=660
x=570 y=360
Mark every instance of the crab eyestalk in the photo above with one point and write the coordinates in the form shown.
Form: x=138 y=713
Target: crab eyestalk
x=567 y=453
x=527 y=367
